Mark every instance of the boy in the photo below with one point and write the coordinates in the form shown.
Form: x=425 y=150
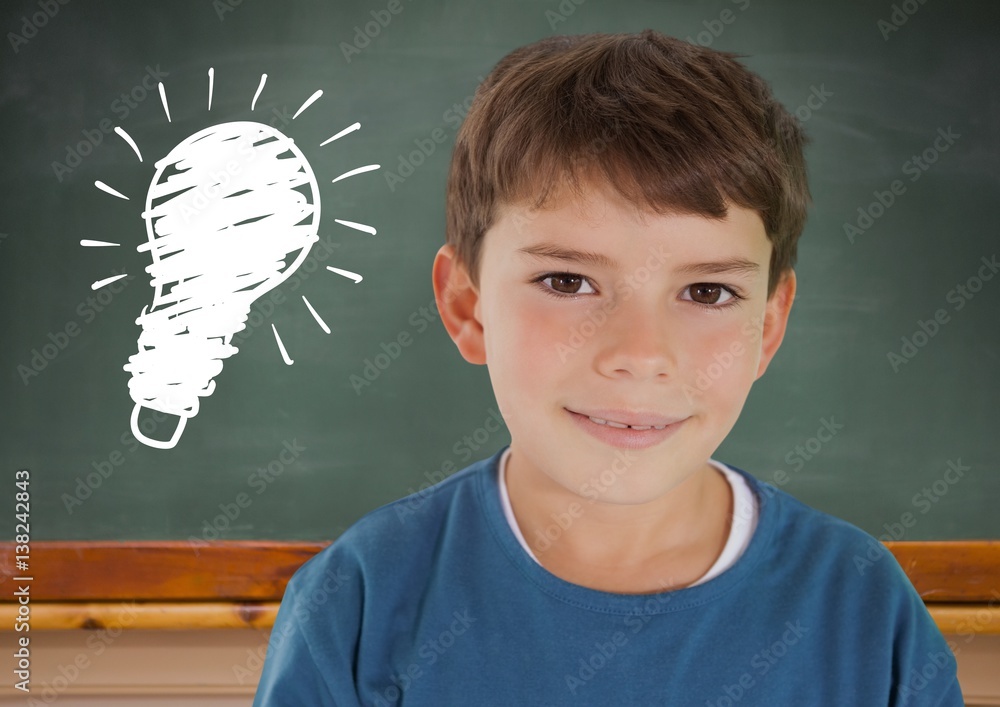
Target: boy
x=622 y=218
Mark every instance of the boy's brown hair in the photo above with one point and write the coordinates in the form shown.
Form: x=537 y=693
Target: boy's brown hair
x=673 y=127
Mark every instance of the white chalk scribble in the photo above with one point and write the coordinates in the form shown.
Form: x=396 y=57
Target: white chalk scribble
x=223 y=213
x=230 y=213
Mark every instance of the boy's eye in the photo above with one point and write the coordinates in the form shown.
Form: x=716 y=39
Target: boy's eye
x=709 y=293
x=565 y=283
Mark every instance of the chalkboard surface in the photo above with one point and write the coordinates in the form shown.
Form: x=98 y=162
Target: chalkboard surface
x=881 y=403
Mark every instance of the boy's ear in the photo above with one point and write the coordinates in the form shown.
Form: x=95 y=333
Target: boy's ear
x=776 y=320
x=458 y=304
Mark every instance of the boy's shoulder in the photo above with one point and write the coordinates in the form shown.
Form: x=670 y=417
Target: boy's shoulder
x=816 y=556
x=801 y=529
x=401 y=531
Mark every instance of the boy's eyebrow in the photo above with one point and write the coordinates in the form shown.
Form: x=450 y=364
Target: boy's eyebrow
x=735 y=265
x=588 y=257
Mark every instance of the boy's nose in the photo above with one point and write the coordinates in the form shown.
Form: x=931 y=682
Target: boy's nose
x=638 y=342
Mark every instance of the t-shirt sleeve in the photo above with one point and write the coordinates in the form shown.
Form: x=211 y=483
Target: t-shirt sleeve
x=925 y=672
x=311 y=652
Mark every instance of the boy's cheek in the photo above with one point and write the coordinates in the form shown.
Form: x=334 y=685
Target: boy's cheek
x=724 y=365
x=536 y=333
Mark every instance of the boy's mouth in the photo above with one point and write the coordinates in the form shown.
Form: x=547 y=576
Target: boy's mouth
x=624 y=436
x=625 y=420
x=612 y=423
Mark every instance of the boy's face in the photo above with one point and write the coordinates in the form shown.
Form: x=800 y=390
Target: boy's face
x=642 y=336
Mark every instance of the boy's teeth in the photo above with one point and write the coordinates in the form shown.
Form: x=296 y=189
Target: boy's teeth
x=611 y=423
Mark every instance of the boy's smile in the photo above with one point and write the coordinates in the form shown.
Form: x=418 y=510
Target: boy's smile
x=651 y=320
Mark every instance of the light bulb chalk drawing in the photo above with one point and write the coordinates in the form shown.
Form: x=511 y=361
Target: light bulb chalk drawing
x=225 y=211
x=221 y=222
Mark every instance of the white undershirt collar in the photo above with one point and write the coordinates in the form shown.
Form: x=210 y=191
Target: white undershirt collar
x=744 y=518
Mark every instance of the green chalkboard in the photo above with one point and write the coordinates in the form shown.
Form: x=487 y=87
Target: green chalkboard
x=900 y=101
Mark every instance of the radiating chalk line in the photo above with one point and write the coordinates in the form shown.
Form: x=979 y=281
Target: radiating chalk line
x=113 y=192
x=260 y=87
x=107 y=281
x=131 y=143
x=359 y=226
x=96 y=244
x=343 y=132
x=163 y=100
x=319 y=319
x=281 y=346
x=358 y=170
x=309 y=102
x=346 y=273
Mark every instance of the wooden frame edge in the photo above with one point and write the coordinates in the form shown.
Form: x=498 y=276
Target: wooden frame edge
x=112 y=618
x=252 y=572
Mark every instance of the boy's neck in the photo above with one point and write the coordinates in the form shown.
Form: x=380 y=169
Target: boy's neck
x=667 y=544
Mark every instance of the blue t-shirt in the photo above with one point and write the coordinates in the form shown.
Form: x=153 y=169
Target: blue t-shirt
x=430 y=601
